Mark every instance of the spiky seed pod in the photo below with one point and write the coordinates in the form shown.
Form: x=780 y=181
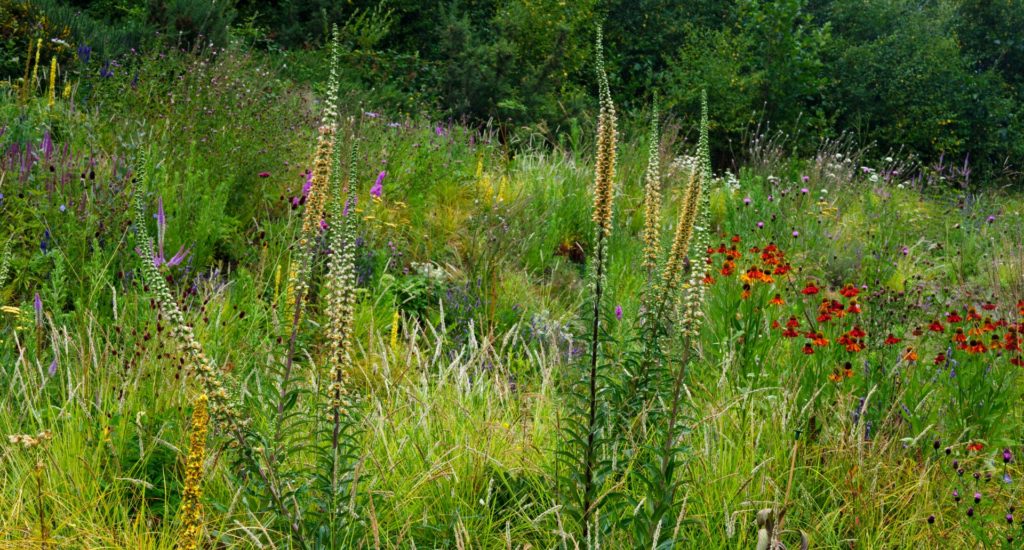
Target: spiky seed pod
x=607 y=135
x=652 y=199
x=681 y=240
x=200 y=366
x=191 y=509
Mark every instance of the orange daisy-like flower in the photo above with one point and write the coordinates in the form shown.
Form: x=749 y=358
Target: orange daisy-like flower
x=1016 y=360
x=776 y=324
x=988 y=306
x=809 y=289
x=960 y=337
x=786 y=268
x=975 y=446
x=746 y=292
x=857 y=332
x=936 y=326
x=972 y=314
x=777 y=300
x=940 y=358
x=1020 y=307
x=849 y=291
x=824 y=317
x=790 y=333
x=910 y=355
x=792 y=322
x=954 y=317
x=808 y=350
x=892 y=340
x=709 y=280
x=847 y=370
x=835 y=376
x=735 y=238
x=854 y=308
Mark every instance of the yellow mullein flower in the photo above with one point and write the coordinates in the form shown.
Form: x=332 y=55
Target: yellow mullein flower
x=191 y=509
x=394 y=330
x=53 y=82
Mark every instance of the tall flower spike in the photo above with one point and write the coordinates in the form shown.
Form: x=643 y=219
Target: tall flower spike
x=652 y=198
x=5 y=263
x=692 y=314
x=200 y=366
x=340 y=286
x=319 y=188
x=191 y=509
x=604 y=171
x=681 y=240
x=53 y=82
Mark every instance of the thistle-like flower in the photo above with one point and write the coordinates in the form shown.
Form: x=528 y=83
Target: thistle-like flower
x=191 y=509
x=652 y=199
x=604 y=171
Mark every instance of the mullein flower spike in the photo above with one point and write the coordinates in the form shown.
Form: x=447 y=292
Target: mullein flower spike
x=191 y=509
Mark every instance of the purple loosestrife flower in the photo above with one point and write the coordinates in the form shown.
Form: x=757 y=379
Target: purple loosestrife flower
x=378 y=186
x=37 y=305
x=618 y=312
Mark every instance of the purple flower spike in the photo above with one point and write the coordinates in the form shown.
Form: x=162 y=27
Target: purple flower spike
x=618 y=312
x=53 y=367
x=1007 y=456
x=378 y=186
x=37 y=304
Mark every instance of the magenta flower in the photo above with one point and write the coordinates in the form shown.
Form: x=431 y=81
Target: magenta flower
x=796 y=233
x=37 y=304
x=760 y=225
x=264 y=174
x=378 y=186
x=746 y=201
x=618 y=312
x=805 y=178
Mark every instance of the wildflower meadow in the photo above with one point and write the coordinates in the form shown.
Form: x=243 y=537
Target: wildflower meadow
x=251 y=298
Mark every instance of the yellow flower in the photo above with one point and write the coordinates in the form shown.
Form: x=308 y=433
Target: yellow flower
x=191 y=509
x=53 y=82
x=394 y=330
x=11 y=310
